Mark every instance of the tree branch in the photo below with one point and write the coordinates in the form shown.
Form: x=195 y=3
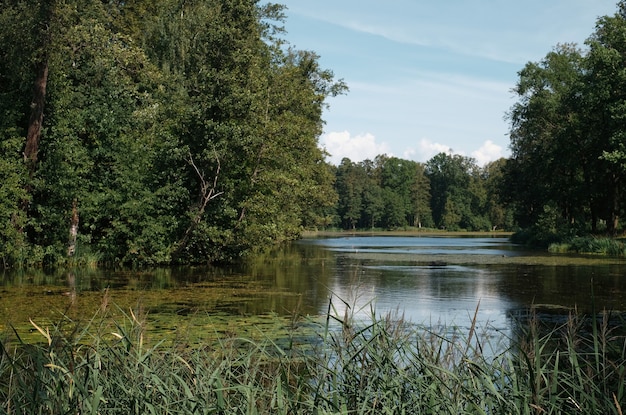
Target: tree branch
x=208 y=192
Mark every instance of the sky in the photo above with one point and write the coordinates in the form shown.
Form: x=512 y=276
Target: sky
x=430 y=76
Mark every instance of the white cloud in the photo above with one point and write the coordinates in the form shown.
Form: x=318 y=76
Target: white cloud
x=532 y=26
x=488 y=152
x=356 y=148
x=428 y=149
x=408 y=154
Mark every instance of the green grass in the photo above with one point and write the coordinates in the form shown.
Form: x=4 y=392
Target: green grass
x=384 y=365
x=591 y=245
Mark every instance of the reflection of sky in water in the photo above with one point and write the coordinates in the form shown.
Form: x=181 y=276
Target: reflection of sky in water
x=419 y=245
x=431 y=295
x=446 y=295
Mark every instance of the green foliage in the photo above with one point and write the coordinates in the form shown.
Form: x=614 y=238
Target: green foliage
x=385 y=193
x=13 y=246
x=382 y=364
x=449 y=191
x=186 y=132
x=591 y=245
x=459 y=194
x=567 y=133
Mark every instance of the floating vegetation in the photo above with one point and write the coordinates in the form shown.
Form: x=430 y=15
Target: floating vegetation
x=384 y=365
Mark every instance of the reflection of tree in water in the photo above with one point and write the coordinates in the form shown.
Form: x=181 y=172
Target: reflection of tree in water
x=563 y=329
x=566 y=286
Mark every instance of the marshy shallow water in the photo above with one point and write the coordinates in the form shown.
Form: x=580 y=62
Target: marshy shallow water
x=431 y=280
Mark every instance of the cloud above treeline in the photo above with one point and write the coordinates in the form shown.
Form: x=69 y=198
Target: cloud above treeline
x=356 y=148
x=364 y=146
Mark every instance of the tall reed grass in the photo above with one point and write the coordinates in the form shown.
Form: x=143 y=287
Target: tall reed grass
x=381 y=365
x=590 y=245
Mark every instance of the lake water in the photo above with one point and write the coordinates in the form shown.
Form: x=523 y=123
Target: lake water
x=412 y=274
x=432 y=280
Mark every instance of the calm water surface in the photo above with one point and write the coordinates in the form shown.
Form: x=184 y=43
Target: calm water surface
x=383 y=272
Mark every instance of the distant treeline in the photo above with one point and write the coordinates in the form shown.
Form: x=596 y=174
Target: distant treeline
x=448 y=192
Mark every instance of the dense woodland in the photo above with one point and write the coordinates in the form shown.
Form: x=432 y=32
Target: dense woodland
x=448 y=192
x=156 y=131
x=162 y=132
x=567 y=173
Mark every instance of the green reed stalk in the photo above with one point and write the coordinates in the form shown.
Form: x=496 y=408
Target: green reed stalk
x=377 y=365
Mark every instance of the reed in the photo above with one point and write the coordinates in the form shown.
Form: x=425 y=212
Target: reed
x=382 y=364
x=590 y=245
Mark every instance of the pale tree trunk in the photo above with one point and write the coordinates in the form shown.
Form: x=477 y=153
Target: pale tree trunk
x=208 y=192
x=71 y=246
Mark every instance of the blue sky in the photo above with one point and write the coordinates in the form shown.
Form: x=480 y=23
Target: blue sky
x=427 y=76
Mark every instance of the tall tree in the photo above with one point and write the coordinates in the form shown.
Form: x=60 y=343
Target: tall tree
x=453 y=190
x=350 y=180
x=253 y=119
x=499 y=214
x=605 y=115
x=177 y=131
x=551 y=152
x=567 y=133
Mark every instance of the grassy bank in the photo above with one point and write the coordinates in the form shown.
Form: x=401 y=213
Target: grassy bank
x=383 y=366
x=591 y=245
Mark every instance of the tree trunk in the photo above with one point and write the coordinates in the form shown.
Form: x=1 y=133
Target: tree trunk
x=36 y=116
x=208 y=192
x=71 y=246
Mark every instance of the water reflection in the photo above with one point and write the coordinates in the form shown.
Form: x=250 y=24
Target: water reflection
x=303 y=278
x=449 y=294
x=420 y=245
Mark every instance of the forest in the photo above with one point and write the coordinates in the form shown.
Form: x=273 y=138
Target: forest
x=448 y=192
x=156 y=131
x=167 y=132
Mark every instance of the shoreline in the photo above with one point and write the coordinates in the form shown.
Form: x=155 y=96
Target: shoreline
x=411 y=232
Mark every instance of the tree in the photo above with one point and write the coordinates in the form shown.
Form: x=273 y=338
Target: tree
x=350 y=179
x=177 y=131
x=420 y=198
x=500 y=216
x=456 y=200
x=551 y=154
x=567 y=134
x=605 y=115
x=397 y=177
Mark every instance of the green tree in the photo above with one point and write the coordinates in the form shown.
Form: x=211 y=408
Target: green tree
x=350 y=180
x=552 y=157
x=499 y=214
x=181 y=131
x=605 y=116
x=420 y=199
x=251 y=127
x=567 y=134
x=397 y=177
x=456 y=195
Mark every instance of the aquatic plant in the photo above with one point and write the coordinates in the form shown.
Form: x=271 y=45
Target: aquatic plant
x=590 y=245
x=382 y=364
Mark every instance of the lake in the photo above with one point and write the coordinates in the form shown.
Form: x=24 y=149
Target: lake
x=431 y=280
